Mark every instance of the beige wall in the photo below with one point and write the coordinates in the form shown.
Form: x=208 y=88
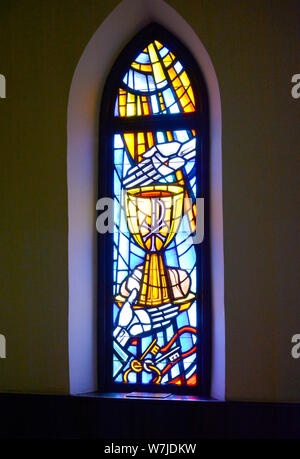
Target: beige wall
x=254 y=46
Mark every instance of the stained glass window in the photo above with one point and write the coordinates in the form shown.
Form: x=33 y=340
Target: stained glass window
x=157 y=294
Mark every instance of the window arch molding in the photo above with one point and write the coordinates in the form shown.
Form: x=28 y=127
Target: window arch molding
x=112 y=126
x=84 y=101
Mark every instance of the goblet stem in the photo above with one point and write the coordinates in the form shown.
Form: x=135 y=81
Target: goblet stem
x=155 y=289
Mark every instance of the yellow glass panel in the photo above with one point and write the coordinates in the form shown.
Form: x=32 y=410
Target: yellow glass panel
x=131 y=109
x=152 y=54
x=122 y=111
x=141 y=137
x=135 y=66
x=167 y=60
x=179 y=177
x=158 y=44
x=154 y=288
x=185 y=79
x=191 y=94
x=161 y=101
x=176 y=83
x=189 y=108
x=146 y=108
x=180 y=91
x=133 y=191
x=169 y=136
x=150 y=139
x=159 y=243
x=146 y=68
x=141 y=150
x=130 y=144
x=130 y=97
x=184 y=100
x=172 y=73
x=122 y=100
x=158 y=73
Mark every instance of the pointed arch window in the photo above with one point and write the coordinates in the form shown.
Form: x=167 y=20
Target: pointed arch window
x=154 y=304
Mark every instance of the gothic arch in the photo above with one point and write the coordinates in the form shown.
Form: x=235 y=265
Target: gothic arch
x=83 y=108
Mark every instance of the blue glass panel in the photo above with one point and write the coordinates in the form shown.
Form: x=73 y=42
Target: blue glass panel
x=124 y=245
x=179 y=254
x=154 y=104
x=181 y=136
x=140 y=82
x=168 y=97
x=130 y=79
x=132 y=377
x=135 y=260
x=188 y=259
x=189 y=166
x=175 y=371
x=171 y=258
x=160 y=339
x=151 y=83
x=146 y=343
x=189 y=361
x=146 y=378
x=119 y=156
x=117 y=184
x=127 y=164
x=121 y=264
x=192 y=313
x=115 y=312
x=174 y=108
x=118 y=142
x=137 y=250
x=178 y=67
x=143 y=58
x=163 y=51
x=191 y=372
x=160 y=137
x=116 y=112
x=181 y=320
x=162 y=84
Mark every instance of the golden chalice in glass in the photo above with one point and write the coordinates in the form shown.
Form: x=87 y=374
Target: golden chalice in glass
x=153 y=215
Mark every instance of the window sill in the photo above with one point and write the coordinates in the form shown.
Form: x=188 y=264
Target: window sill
x=172 y=397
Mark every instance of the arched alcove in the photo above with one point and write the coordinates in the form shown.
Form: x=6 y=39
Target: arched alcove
x=83 y=109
